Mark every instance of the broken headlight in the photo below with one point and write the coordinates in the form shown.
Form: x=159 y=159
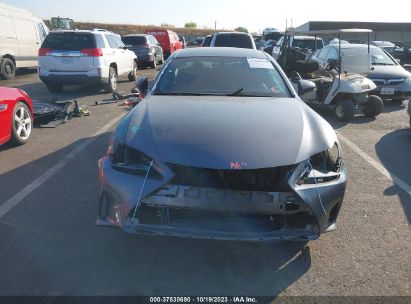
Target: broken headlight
x=322 y=167
x=131 y=161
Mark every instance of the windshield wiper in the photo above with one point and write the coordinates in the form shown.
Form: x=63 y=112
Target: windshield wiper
x=381 y=63
x=182 y=93
x=236 y=92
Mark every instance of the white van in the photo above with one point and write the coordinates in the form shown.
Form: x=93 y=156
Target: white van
x=21 y=34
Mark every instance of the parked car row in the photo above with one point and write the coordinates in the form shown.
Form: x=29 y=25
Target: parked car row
x=98 y=56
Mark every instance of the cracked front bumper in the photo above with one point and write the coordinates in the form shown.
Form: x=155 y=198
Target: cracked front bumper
x=304 y=213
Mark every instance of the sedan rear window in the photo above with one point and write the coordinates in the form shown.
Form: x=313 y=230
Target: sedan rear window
x=224 y=76
x=134 y=40
x=69 y=41
x=234 y=40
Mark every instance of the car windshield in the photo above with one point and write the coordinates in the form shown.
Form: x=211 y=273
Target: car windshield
x=224 y=76
x=378 y=56
x=134 y=40
x=234 y=40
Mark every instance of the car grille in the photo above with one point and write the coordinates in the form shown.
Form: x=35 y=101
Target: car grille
x=266 y=179
x=393 y=81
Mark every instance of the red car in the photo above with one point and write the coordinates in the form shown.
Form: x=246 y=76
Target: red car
x=169 y=40
x=16 y=116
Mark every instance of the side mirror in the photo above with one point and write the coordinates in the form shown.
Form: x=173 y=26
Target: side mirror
x=398 y=60
x=142 y=86
x=305 y=86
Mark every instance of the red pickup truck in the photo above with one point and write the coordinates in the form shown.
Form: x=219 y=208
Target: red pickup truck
x=168 y=40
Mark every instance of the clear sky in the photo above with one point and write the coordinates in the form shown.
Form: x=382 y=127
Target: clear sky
x=253 y=14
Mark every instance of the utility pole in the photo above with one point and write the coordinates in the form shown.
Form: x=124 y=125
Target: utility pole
x=215 y=24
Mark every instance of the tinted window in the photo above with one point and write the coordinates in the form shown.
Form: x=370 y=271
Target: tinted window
x=234 y=40
x=134 y=40
x=221 y=76
x=69 y=41
x=207 y=41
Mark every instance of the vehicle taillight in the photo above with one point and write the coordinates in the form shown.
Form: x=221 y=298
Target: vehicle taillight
x=95 y=52
x=44 y=51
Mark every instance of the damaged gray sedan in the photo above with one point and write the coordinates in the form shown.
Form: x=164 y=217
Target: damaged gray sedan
x=222 y=147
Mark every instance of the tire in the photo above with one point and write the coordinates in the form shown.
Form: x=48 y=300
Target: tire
x=133 y=74
x=153 y=64
x=373 y=107
x=22 y=125
x=162 y=59
x=54 y=88
x=7 y=69
x=344 y=109
x=111 y=85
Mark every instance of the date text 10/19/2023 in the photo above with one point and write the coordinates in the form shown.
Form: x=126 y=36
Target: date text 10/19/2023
x=203 y=300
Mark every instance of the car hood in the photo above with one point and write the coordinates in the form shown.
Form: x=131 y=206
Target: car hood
x=388 y=72
x=226 y=132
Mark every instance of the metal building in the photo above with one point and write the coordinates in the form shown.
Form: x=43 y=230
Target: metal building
x=387 y=31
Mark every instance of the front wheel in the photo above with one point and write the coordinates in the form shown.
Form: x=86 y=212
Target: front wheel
x=344 y=109
x=22 y=124
x=373 y=107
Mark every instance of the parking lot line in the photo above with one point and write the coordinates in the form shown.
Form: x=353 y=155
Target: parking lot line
x=18 y=197
x=392 y=177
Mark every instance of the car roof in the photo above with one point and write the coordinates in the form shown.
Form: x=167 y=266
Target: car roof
x=352 y=46
x=306 y=38
x=231 y=33
x=383 y=43
x=220 y=52
x=356 y=45
x=137 y=35
x=84 y=32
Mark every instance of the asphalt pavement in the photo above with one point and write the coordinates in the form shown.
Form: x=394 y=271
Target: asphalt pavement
x=50 y=245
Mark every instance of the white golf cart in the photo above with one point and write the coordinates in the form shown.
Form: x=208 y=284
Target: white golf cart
x=342 y=91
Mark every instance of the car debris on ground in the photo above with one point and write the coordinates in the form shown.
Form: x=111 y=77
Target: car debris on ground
x=53 y=114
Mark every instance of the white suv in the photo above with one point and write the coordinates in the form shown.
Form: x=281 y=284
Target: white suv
x=85 y=57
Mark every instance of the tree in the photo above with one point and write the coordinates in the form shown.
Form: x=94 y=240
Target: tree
x=242 y=29
x=190 y=24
